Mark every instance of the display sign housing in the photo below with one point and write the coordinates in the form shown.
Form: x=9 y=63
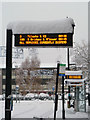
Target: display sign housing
x=44 y=39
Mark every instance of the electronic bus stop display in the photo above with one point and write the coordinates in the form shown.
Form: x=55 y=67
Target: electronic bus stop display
x=73 y=77
x=44 y=39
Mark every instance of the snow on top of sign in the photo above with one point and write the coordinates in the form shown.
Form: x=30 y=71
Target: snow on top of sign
x=57 y=26
x=73 y=72
x=75 y=80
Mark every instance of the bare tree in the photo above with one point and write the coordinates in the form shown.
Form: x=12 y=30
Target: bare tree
x=24 y=79
x=81 y=54
x=81 y=57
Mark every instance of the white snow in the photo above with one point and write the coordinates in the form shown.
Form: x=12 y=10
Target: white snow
x=43 y=95
x=1 y=96
x=73 y=72
x=38 y=108
x=57 y=26
x=75 y=80
x=30 y=95
x=14 y=95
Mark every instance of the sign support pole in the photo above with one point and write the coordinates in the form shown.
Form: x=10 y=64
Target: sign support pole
x=62 y=73
x=68 y=69
x=63 y=110
x=8 y=75
x=56 y=95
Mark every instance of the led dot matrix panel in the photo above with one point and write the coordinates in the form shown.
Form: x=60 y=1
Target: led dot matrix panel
x=44 y=39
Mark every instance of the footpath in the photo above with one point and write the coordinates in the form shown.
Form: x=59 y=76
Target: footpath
x=89 y=112
x=48 y=119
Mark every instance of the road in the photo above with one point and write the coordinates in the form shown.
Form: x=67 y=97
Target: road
x=41 y=109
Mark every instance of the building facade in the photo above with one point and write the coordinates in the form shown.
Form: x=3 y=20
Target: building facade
x=47 y=76
x=3 y=80
x=0 y=81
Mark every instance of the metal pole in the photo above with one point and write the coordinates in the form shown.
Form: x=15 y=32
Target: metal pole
x=88 y=54
x=68 y=69
x=85 y=95
x=77 y=98
x=8 y=75
x=16 y=96
x=56 y=96
x=63 y=110
x=68 y=57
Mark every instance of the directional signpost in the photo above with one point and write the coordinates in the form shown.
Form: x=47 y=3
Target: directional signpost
x=62 y=69
x=62 y=73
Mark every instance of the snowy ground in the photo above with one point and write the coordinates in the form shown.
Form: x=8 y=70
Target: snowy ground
x=41 y=109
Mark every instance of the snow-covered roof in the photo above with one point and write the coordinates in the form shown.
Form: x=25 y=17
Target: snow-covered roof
x=48 y=65
x=75 y=80
x=75 y=84
x=73 y=72
x=57 y=26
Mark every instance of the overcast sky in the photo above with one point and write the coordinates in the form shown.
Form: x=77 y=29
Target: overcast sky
x=14 y=11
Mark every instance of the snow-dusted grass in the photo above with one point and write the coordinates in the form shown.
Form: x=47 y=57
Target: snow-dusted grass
x=38 y=108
